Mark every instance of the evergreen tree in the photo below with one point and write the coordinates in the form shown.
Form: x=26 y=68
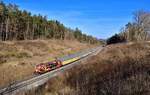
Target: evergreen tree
x=18 y=24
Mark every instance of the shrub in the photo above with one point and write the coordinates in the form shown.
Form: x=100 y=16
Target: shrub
x=115 y=39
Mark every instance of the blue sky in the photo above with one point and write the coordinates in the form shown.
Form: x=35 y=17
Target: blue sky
x=100 y=18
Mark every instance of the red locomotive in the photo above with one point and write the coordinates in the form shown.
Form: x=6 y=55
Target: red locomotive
x=46 y=67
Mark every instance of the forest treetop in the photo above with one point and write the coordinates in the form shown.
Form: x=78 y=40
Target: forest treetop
x=16 y=24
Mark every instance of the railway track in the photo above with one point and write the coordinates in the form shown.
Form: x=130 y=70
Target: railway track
x=37 y=80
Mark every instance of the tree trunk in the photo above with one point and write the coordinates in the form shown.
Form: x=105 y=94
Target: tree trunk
x=7 y=28
x=1 y=30
x=27 y=31
x=32 y=33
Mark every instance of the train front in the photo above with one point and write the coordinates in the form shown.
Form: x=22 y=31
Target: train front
x=40 y=69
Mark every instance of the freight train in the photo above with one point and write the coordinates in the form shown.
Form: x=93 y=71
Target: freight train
x=49 y=66
x=46 y=67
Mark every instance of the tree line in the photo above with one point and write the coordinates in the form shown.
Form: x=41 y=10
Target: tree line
x=16 y=24
x=137 y=30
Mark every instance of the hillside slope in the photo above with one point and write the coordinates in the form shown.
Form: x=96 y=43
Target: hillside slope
x=122 y=69
x=18 y=58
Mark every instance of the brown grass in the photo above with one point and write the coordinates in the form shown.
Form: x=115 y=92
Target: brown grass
x=121 y=69
x=18 y=58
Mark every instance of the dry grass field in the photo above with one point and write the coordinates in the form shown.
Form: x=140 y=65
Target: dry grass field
x=18 y=58
x=121 y=69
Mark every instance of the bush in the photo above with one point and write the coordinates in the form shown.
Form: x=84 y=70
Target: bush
x=115 y=39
